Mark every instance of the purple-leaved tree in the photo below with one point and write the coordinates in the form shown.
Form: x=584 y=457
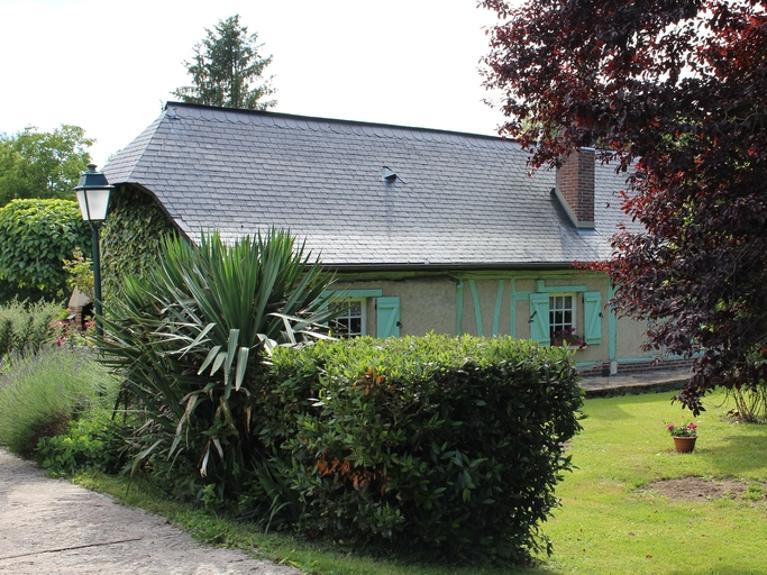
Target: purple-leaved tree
x=674 y=93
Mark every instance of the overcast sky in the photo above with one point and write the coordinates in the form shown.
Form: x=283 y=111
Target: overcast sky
x=109 y=65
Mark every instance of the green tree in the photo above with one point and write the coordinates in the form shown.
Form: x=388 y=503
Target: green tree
x=227 y=69
x=42 y=164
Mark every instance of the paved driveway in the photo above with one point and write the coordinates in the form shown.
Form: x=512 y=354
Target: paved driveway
x=49 y=526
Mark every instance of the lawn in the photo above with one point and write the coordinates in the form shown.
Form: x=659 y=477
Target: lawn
x=608 y=523
x=606 y=526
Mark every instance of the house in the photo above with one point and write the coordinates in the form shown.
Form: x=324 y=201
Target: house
x=426 y=229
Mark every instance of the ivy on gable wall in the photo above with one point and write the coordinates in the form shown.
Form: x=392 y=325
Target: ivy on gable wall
x=130 y=237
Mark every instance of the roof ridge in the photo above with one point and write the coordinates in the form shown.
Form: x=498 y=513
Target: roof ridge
x=268 y=114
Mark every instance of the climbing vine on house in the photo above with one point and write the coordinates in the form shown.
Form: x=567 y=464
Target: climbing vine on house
x=130 y=238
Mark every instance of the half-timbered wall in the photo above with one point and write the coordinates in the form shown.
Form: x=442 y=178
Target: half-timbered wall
x=494 y=303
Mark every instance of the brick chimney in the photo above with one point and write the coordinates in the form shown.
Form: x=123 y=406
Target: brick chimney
x=575 y=186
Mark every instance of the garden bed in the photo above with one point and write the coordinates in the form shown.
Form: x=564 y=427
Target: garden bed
x=697 y=488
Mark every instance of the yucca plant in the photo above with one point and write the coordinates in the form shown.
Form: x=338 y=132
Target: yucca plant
x=190 y=339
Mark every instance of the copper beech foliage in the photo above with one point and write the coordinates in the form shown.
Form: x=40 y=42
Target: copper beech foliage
x=674 y=94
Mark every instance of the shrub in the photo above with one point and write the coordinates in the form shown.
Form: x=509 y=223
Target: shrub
x=189 y=337
x=79 y=271
x=750 y=398
x=94 y=441
x=37 y=236
x=41 y=394
x=26 y=328
x=440 y=443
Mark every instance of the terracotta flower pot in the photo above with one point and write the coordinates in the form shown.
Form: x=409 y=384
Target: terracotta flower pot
x=684 y=444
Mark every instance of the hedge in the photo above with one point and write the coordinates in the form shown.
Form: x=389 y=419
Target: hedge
x=439 y=444
x=38 y=235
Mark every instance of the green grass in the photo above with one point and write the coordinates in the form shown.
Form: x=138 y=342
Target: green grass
x=605 y=525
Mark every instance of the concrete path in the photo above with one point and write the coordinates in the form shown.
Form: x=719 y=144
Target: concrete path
x=49 y=526
x=639 y=382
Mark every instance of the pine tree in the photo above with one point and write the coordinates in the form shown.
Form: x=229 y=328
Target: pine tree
x=227 y=69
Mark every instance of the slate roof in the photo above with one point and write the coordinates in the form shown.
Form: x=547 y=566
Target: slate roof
x=459 y=200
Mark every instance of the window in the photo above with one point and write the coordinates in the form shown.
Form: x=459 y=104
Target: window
x=562 y=319
x=553 y=316
x=348 y=318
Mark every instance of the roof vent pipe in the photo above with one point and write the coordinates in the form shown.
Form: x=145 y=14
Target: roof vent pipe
x=388 y=175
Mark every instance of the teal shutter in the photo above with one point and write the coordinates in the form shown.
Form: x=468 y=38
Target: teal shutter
x=387 y=316
x=592 y=317
x=539 y=318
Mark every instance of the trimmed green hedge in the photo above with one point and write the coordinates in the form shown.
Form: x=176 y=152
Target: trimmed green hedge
x=434 y=443
x=37 y=236
x=130 y=238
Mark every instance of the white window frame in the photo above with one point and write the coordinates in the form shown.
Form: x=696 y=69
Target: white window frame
x=552 y=310
x=345 y=302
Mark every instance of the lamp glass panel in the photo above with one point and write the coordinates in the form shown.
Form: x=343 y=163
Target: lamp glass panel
x=96 y=208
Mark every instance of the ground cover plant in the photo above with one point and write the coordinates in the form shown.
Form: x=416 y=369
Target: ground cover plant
x=94 y=440
x=611 y=520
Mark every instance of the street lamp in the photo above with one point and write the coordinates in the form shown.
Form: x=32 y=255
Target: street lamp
x=93 y=196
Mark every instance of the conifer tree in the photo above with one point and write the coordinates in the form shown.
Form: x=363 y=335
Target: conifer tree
x=227 y=69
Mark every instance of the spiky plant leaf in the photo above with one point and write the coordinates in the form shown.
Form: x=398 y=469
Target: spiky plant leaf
x=190 y=339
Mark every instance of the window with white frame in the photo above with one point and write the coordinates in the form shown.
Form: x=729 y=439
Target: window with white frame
x=562 y=319
x=348 y=318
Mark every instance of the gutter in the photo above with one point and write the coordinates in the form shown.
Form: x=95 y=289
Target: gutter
x=444 y=267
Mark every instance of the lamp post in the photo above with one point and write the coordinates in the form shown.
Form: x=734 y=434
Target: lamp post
x=93 y=196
